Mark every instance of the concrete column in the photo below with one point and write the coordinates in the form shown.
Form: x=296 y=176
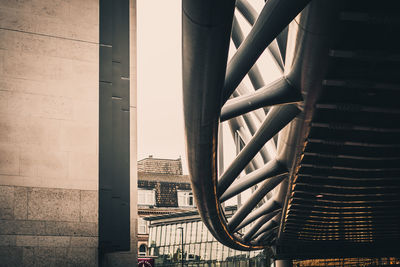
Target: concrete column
x=129 y=258
x=283 y=263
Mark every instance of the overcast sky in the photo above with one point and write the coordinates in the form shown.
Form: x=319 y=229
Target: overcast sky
x=160 y=112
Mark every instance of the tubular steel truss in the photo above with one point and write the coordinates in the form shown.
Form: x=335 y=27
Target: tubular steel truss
x=271 y=123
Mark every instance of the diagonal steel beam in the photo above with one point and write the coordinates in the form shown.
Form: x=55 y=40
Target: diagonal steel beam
x=274 y=17
x=237 y=37
x=276 y=46
x=279 y=92
x=248 y=12
x=268 y=207
x=258 y=224
x=255 y=198
x=271 y=169
x=276 y=119
x=271 y=224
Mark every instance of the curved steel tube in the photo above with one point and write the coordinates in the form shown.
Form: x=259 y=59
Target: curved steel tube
x=206 y=32
x=206 y=29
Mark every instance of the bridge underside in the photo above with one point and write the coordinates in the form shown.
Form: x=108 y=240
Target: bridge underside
x=344 y=197
x=338 y=147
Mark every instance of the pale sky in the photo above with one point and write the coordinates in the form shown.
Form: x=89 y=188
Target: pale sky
x=160 y=111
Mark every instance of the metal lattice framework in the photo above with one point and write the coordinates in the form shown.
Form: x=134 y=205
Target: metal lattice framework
x=281 y=129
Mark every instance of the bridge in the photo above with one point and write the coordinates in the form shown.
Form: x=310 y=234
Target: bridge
x=319 y=147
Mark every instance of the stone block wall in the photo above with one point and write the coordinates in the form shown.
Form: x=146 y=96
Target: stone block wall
x=49 y=132
x=47 y=227
x=49 y=102
x=49 y=93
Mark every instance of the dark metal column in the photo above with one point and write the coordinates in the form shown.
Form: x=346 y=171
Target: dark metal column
x=114 y=175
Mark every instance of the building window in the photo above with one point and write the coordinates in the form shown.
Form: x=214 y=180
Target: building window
x=142 y=226
x=185 y=199
x=142 y=250
x=146 y=197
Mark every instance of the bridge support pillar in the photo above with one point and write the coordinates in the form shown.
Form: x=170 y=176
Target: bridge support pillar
x=283 y=263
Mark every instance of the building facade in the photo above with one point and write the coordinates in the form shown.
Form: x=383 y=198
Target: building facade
x=162 y=189
x=168 y=218
x=49 y=131
x=183 y=236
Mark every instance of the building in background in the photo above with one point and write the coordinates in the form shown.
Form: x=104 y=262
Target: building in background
x=200 y=248
x=167 y=213
x=162 y=190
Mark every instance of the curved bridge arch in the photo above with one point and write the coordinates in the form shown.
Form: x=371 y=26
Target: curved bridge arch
x=278 y=128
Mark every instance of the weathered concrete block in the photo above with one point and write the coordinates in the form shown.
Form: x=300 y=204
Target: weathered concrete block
x=53 y=204
x=46 y=84
x=71 y=228
x=15 y=20
x=84 y=241
x=54 y=241
x=22 y=5
x=20 y=203
x=77 y=71
x=27 y=241
x=78 y=137
x=7 y=240
x=42 y=106
x=1 y=61
x=89 y=206
x=40 y=133
x=28 y=43
x=28 y=86
x=28 y=256
x=6 y=202
x=52 y=164
x=11 y=227
x=82 y=256
x=79 y=90
x=30 y=227
x=47 y=8
x=29 y=66
x=61 y=256
x=80 y=51
x=85 y=13
x=83 y=166
x=61 y=252
x=86 y=112
x=9 y=160
x=44 y=256
x=3 y=94
x=10 y=256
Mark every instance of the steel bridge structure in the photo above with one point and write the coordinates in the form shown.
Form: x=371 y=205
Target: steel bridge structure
x=319 y=147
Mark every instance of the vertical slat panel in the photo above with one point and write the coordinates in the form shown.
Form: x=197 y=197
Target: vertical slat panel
x=114 y=135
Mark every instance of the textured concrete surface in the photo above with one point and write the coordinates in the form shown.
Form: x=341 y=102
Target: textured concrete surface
x=49 y=94
x=48 y=227
x=49 y=132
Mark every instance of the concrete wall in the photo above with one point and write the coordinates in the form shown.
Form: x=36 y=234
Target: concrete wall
x=49 y=93
x=49 y=132
x=47 y=227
